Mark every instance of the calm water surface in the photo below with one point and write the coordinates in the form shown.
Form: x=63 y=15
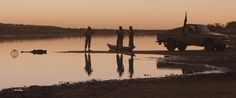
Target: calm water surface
x=28 y=69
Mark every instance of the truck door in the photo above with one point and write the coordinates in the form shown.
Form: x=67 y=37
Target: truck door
x=192 y=35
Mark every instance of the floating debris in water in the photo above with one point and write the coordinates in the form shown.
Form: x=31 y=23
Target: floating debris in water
x=14 y=53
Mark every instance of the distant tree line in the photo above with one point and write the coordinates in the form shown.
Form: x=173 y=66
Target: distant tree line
x=217 y=27
x=16 y=30
x=231 y=25
x=28 y=30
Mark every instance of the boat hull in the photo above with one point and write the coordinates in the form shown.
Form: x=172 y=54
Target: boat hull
x=116 y=48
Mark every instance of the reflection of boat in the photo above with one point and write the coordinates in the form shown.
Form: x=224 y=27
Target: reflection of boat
x=39 y=51
x=124 y=48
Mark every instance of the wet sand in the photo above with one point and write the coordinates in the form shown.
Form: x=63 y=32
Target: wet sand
x=222 y=85
x=198 y=86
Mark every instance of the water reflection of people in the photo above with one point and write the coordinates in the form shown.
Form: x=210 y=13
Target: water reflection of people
x=88 y=65
x=120 y=66
x=131 y=66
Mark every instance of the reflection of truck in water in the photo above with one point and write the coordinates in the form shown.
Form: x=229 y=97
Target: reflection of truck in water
x=189 y=68
x=198 y=35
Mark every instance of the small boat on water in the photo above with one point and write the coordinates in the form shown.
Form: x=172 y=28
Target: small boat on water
x=116 y=48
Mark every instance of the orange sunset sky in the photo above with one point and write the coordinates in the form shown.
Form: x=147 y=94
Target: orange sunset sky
x=142 y=14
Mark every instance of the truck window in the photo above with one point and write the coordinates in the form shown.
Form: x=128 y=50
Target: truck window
x=202 y=29
x=191 y=29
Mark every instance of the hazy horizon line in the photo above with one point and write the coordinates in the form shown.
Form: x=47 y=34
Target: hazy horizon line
x=124 y=27
x=48 y=25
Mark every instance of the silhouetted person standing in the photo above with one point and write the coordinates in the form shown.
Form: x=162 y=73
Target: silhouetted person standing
x=88 y=65
x=88 y=38
x=131 y=66
x=120 y=37
x=120 y=66
x=131 y=37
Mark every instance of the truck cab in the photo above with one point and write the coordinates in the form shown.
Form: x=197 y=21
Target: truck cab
x=193 y=34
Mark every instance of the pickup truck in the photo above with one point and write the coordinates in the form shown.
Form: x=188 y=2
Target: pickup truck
x=193 y=34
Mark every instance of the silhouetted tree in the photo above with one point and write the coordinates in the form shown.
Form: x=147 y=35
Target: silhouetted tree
x=231 y=25
x=217 y=27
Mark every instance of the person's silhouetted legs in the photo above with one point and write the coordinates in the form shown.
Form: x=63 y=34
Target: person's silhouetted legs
x=86 y=44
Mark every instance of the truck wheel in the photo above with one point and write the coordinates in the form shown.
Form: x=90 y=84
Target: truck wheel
x=220 y=47
x=209 y=46
x=171 y=45
x=182 y=47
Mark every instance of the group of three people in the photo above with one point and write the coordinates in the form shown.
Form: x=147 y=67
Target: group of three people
x=120 y=37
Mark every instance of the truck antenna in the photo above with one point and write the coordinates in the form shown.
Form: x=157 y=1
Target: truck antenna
x=185 y=22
